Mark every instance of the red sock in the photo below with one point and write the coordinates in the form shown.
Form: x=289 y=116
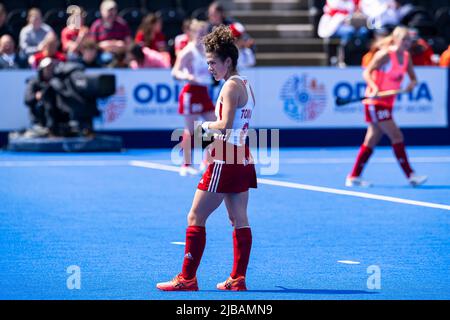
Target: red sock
x=363 y=156
x=400 y=153
x=242 y=243
x=195 y=244
x=188 y=146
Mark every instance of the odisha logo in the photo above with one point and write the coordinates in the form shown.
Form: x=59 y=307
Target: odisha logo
x=113 y=107
x=304 y=99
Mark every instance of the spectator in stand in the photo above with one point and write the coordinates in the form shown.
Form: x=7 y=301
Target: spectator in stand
x=421 y=52
x=50 y=46
x=381 y=13
x=445 y=58
x=150 y=33
x=336 y=23
x=246 y=55
x=144 y=57
x=89 y=54
x=110 y=31
x=120 y=60
x=182 y=40
x=33 y=34
x=9 y=59
x=74 y=33
x=4 y=28
x=217 y=15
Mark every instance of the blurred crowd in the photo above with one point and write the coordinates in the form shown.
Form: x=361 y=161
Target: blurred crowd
x=108 y=41
x=360 y=25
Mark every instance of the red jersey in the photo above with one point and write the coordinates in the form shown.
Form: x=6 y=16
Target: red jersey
x=38 y=56
x=158 y=43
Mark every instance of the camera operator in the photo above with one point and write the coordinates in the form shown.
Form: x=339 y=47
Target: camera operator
x=76 y=95
x=63 y=99
x=40 y=97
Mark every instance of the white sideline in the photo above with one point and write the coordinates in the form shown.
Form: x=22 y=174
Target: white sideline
x=63 y=163
x=157 y=166
x=171 y=168
x=374 y=160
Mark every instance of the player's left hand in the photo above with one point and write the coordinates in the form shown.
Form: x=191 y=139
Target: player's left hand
x=202 y=132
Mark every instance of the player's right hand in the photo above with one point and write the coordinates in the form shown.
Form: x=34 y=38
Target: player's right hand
x=373 y=92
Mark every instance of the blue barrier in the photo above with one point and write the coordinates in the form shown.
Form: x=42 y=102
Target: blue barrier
x=294 y=131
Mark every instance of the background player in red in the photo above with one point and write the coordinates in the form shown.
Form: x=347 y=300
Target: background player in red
x=230 y=174
x=194 y=100
x=385 y=72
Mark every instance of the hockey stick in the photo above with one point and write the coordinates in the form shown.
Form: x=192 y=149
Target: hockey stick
x=343 y=101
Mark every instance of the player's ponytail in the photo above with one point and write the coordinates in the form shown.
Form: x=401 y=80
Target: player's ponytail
x=398 y=33
x=221 y=43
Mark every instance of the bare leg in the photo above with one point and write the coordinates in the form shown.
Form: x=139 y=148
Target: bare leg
x=203 y=205
x=236 y=204
x=373 y=136
x=187 y=142
x=395 y=135
x=390 y=128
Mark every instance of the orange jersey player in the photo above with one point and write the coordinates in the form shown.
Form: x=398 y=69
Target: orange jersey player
x=386 y=72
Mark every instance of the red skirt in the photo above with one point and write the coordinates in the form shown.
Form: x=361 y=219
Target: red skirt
x=232 y=176
x=377 y=113
x=194 y=99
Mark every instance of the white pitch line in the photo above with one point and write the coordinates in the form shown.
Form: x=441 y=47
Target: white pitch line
x=352 y=160
x=353 y=194
x=348 y=262
x=64 y=163
x=179 y=243
x=158 y=166
x=264 y=161
x=154 y=165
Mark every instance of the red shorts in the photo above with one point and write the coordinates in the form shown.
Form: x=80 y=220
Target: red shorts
x=230 y=176
x=194 y=99
x=377 y=113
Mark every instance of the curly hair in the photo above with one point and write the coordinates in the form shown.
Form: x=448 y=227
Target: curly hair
x=221 y=43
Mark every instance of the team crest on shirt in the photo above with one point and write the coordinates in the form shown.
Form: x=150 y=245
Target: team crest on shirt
x=304 y=98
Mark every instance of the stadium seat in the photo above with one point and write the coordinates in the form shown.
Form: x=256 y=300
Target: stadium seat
x=48 y=5
x=200 y=14
x=442 y=19
x=126 y=4
x=133 y=16
x=189 y=6
x=439 y=44
x=16 y=4
x=57 y=19
x=91 y=16
x=17 y=19
x=354 y=52
x=87 y=5
x=156 y=5
x=172 y=21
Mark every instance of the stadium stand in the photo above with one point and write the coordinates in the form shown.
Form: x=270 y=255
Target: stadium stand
x=285 y=31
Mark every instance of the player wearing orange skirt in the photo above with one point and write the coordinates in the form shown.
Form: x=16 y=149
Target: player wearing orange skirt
x=231 y=171
x=386 y=72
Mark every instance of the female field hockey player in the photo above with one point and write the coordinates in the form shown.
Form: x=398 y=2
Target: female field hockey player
x=194 y=100
x=386 y=72
x=229 y=175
